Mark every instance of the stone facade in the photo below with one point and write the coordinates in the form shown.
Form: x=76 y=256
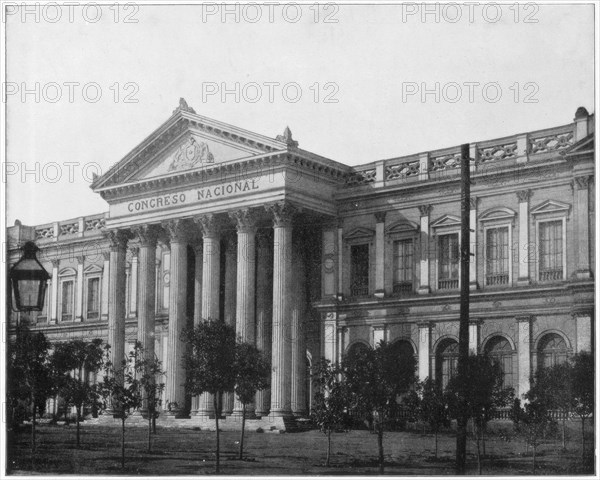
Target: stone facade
x=308 y=257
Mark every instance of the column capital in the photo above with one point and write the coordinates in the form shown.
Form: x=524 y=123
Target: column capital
x=134 y=251
x=209 y=224
x=117 y=239
x=425 y=210
x=282 y=212
x=106 y=256
x=147 y=234
x=245 y=219
x=473 y=202
x=524 y=195
x=55 y=262
x=380 y=217
x=581 y=183
x=80 y=259
x=177 y=229
x=523 y=318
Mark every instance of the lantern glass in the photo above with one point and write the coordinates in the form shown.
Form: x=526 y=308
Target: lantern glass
x=29 y=281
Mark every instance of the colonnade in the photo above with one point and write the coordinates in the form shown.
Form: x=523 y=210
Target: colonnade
x=257 y=268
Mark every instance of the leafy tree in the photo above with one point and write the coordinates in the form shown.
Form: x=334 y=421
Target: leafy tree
x=31 y=378
x=147 y=370
x=429 y=404
x=209 y=364
x=555 y=385
x=532 y=421
x=252 y=373
x=483 y=379
x=375 y=378
x=72 y=361
x=121 y=389
x=331 y=400
x=583 y=390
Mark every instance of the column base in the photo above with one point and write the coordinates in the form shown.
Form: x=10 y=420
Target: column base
x=424 y=290
x=473 y=286
x=379 y=293
x=260 y=414
x=339 y=297
x=176 y=414
x=523 y=282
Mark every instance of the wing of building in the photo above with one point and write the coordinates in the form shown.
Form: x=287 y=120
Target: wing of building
x=312 y=258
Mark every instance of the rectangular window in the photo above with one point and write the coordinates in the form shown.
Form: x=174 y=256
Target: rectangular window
x=359 y=270
x=67 y=300
x=449 y=261
x=403 y=266
x=497 y=256
x=551 y=250
x=93 y=298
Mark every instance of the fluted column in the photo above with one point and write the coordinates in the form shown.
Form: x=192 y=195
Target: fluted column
x=298 y=387
x=116 y=297
x=197 y=303
x=147 y=235
x=246 y=289
x=175 y=384
x=229 y=305
x=282 y=275
x=211 y=280
x=264 y=304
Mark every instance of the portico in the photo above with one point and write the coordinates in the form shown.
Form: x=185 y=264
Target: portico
x=196 y=186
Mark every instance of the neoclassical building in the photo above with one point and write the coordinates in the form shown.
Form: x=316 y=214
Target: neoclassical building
x=309 y=257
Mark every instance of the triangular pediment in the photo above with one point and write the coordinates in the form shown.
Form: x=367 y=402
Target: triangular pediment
x=446 y=221
x=189 y=152
x=360 y=233
x=551 y=206
x=185 y=142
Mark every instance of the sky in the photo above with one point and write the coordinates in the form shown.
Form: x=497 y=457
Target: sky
x=355 y=83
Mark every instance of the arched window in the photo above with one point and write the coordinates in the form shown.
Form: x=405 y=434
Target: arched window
x=356 y=348
x=552 y=350
x=446 y=361
x=500 y=351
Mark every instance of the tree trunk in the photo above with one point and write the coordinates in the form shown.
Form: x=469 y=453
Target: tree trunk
x=242 y=434
x=215 y=406
x=154 y=424
x=461 y=446
x=477 y=441
x=483 y=439
x=583 y=439
x=150 y=431
x=33 y=427
x=436 y=443
x=380 y=444
x=77 y=413
x=328 y=447
x=122 y=440
x=534 y=448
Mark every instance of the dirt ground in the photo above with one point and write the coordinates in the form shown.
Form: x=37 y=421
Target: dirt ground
x=191 y=452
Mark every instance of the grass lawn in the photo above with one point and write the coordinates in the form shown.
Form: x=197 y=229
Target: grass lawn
x=191 y=452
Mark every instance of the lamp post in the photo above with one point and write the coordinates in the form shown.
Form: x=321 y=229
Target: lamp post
x=29 y=280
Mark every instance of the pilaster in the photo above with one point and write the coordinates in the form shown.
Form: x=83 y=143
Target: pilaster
x=524 y=247
x=424 y=286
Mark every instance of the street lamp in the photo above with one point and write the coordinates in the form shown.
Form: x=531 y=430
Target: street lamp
x=29 y=281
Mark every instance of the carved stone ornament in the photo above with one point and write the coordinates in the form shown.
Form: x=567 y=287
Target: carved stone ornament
x=582 y=182
x=177 y=230
x=191 y=155
x=283 y=213
x=524 y=195
x=117 y=239
x=287 y=138
x=245 y=219
x=380 y=217
x=209 y=224
x=147 y=234
x=183 y=107
x=425 y=210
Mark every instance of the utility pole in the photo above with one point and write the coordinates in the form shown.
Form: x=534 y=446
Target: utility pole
x=463 y=332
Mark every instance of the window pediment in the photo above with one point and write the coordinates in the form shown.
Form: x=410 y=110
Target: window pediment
x=67 y=272
x=497 y=213
x=446 y=221
x=403 y=227
x=359 y=234
x=92 y=269
x=551 y=206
